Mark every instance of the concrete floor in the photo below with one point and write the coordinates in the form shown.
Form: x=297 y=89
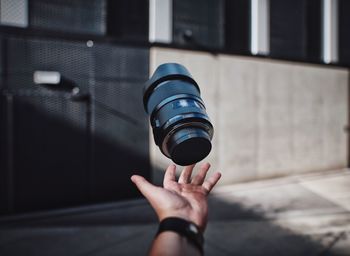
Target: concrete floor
x=297 y=215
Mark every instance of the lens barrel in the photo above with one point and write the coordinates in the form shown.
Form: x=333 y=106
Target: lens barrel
x=181 y=127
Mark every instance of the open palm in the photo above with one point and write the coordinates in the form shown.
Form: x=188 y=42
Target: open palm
x=185 y=198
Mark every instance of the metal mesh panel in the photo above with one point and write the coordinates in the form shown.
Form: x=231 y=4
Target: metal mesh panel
x=237 y=26
x=287 y=28
x=204 y=18
x=120 y=74
x=128 y=19
x=121 y=62
x=120 y=125
x=123 y=96
x=59 y=141
x=2 y=60
x=50 y=152
x=131 y=132
x=72 y=60
x=78 y=16
x=344 y=35
x=121 y=148
x=295 y=29
x=4 y=204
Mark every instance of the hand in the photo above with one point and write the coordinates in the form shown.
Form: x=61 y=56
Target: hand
x=186 y=198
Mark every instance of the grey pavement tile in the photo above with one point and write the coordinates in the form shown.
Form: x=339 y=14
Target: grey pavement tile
x=343 y=201
x=64 y=241
x=274 y=201
x=140 y=214
x=135 y=245
x=341 y=246
x=322 y=175
x=260 y=238
x=212 y=249
x=335 y=189
x=135 y=212
x=316 y=224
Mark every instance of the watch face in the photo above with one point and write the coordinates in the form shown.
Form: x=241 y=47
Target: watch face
x=193 y=228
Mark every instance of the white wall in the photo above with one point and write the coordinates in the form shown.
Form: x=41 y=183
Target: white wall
x=271 y=118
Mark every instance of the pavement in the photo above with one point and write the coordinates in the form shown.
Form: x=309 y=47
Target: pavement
x=297 y=215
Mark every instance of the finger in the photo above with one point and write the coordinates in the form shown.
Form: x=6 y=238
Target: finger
x=211 y=182
x=200 y=177
x=146 y=188
x=186 y=173
x=169 y=175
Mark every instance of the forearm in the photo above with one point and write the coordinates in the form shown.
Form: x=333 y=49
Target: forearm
x=169 y=243
x=182 y=209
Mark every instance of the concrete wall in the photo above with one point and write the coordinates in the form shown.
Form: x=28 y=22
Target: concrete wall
x=271 y=118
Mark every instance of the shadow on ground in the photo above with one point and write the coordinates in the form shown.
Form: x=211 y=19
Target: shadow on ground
x=127 y=228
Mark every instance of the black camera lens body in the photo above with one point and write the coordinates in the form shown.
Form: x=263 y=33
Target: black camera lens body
x=181 y=127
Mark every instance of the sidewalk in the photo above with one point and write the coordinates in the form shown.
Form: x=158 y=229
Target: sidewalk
x=298 y=215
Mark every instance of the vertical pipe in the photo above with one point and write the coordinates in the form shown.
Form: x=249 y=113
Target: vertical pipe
x=260 y=27
x=160 y=21
x=330 y=31
x=348 y=123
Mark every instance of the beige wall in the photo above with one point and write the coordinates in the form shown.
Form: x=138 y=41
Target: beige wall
x=271 y=118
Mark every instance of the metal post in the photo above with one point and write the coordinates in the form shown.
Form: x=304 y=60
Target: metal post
x=260 y=27
x=160 y=21
x=330 y=31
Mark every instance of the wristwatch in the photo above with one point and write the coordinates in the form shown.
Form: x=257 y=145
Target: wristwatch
x=184 y=228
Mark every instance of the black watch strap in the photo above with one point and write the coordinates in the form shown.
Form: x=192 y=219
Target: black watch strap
x=184 y=228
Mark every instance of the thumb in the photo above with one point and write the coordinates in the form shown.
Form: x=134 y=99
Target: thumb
x=146 y=188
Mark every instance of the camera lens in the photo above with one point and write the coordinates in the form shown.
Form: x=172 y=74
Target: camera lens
x=181 y=127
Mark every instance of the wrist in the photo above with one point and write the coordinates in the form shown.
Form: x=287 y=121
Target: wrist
x=198 y=221
x=184 y=228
